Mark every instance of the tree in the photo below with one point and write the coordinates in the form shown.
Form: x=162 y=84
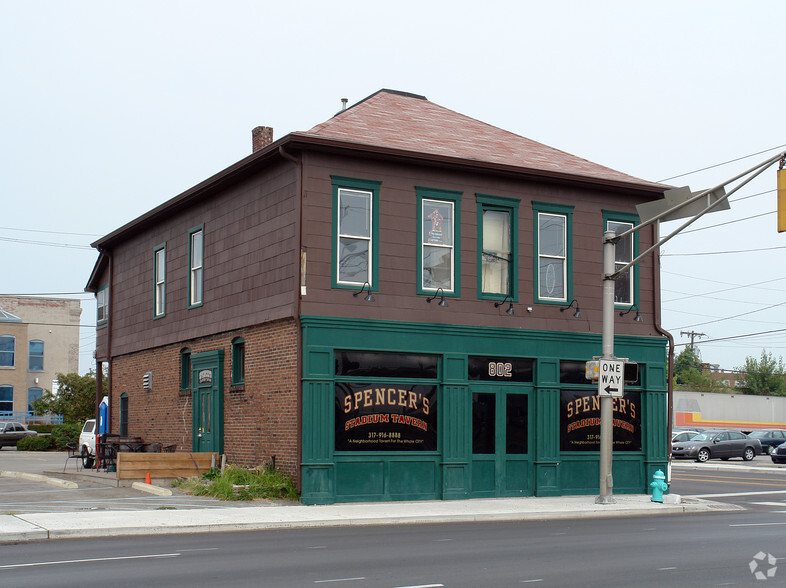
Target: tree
x=765 y=377
x=686 y=365
x=688 y=374
x=75 y=399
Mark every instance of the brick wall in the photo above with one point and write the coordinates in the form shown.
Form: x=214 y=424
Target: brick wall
x=260 y=418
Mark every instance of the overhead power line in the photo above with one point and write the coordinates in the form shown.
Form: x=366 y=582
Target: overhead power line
x=736 y=337
x=51 y=232
x=735 y=316
x=720 y=164
x=722 y=252
x=45 y=243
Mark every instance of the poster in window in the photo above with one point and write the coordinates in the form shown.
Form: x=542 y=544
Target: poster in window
x=386 y=417
x=580 y=421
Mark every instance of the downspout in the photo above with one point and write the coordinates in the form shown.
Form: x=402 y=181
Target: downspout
x=299 y=262
x=670 y=371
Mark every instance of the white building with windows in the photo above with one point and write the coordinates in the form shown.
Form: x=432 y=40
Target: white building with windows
x=39 y=338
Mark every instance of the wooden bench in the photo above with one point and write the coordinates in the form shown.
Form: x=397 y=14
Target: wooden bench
x=135 y=466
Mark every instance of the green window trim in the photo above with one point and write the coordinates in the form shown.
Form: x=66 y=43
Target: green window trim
x=565 y=210
x=486 y=202
x=440 y=195
x=196 y=267
x=627 y=217
x=238 y=361
x=159 y=281
x=373 y=187
x=102 y=305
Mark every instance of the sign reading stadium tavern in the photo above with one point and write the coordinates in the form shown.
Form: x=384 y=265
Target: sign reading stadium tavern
x=391 y=417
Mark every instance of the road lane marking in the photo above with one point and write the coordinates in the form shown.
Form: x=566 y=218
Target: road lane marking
x=339 y=580
x=666 y=569
x=756 y=524
x=763 y=492
x=423 y=586
x=89 y=560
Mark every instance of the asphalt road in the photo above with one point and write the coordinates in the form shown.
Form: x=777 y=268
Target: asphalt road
x=708 y=550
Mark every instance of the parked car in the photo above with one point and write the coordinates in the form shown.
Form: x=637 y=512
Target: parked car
x=680 y=436
x=11 y=432
x=778 y=454
x=769 y=438
x=720 y=444
x=87 y=443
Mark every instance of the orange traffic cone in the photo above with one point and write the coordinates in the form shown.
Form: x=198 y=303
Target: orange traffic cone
x=147 y=478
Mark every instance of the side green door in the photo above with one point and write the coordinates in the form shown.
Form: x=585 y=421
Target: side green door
x=208 y=401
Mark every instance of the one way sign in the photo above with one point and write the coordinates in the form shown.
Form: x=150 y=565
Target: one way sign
x=610 y=377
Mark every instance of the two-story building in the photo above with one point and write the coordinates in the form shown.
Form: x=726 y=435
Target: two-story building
x=395 y=304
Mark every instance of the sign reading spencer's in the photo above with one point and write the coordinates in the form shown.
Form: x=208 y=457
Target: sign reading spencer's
x=580 y=421
x=379 y=417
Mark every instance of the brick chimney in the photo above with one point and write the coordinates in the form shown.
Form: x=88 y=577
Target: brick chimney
x=261 y=137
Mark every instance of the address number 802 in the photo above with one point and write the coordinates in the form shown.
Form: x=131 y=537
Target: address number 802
x=500 y=369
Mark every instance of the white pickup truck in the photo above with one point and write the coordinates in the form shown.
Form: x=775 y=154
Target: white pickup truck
x=87 y=443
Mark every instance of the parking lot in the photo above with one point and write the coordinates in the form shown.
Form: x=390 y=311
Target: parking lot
x=19 y=495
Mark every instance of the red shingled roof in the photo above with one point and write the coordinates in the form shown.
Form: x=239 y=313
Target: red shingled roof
x=408 y=122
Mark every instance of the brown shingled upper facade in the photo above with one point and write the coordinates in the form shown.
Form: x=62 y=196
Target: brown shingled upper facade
x=408 y=122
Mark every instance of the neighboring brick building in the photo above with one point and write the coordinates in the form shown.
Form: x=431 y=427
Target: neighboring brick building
x=39 y=338
x=386 y=306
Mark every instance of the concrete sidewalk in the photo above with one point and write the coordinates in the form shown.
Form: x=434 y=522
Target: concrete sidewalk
x=38 y=526
x=55 y=525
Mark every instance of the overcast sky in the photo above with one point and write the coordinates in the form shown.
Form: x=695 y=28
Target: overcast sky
x=109 y=109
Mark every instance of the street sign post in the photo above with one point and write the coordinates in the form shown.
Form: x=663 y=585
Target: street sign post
x=610 y=377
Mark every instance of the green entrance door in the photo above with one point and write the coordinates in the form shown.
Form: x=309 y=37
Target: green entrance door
x=208 y=401
x=501 y=464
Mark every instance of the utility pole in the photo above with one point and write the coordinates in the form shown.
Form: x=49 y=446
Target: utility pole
x=715 y=198
x=692 y=335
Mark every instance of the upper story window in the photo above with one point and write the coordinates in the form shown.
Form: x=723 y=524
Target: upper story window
x=159 y=264
x=238 y=361
x=36 y=356
x=7 y=347
x=102 y=304
x=195 y=261
x=439 y=222
x=497 y=254
x=553 y=245
x=626 y=285
x=355 y=231
x=6 y=398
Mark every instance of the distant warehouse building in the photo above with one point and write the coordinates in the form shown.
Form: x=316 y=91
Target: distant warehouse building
x=395 y=304
x=39 y=338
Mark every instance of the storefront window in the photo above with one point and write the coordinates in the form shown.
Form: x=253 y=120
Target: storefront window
x=580 y=421
x=386 y=417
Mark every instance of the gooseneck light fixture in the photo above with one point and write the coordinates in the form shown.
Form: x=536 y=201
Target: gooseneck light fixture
x=369 y=297
x=575 y=303
x=636 y=318
x=442 y=301
x=510 y=309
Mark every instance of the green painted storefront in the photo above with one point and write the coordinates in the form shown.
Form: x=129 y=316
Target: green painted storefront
x=472 y=435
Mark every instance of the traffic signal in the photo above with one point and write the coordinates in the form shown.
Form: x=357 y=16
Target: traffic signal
x=781 y=200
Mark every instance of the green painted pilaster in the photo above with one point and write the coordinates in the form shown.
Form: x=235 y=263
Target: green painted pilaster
x=317 y=479
x=547 y=478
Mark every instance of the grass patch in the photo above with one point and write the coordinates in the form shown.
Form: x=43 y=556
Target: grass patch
x=239 y=483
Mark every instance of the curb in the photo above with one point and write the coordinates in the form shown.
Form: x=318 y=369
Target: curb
x=721 y=467
x=40 y=478
x=151 y=489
